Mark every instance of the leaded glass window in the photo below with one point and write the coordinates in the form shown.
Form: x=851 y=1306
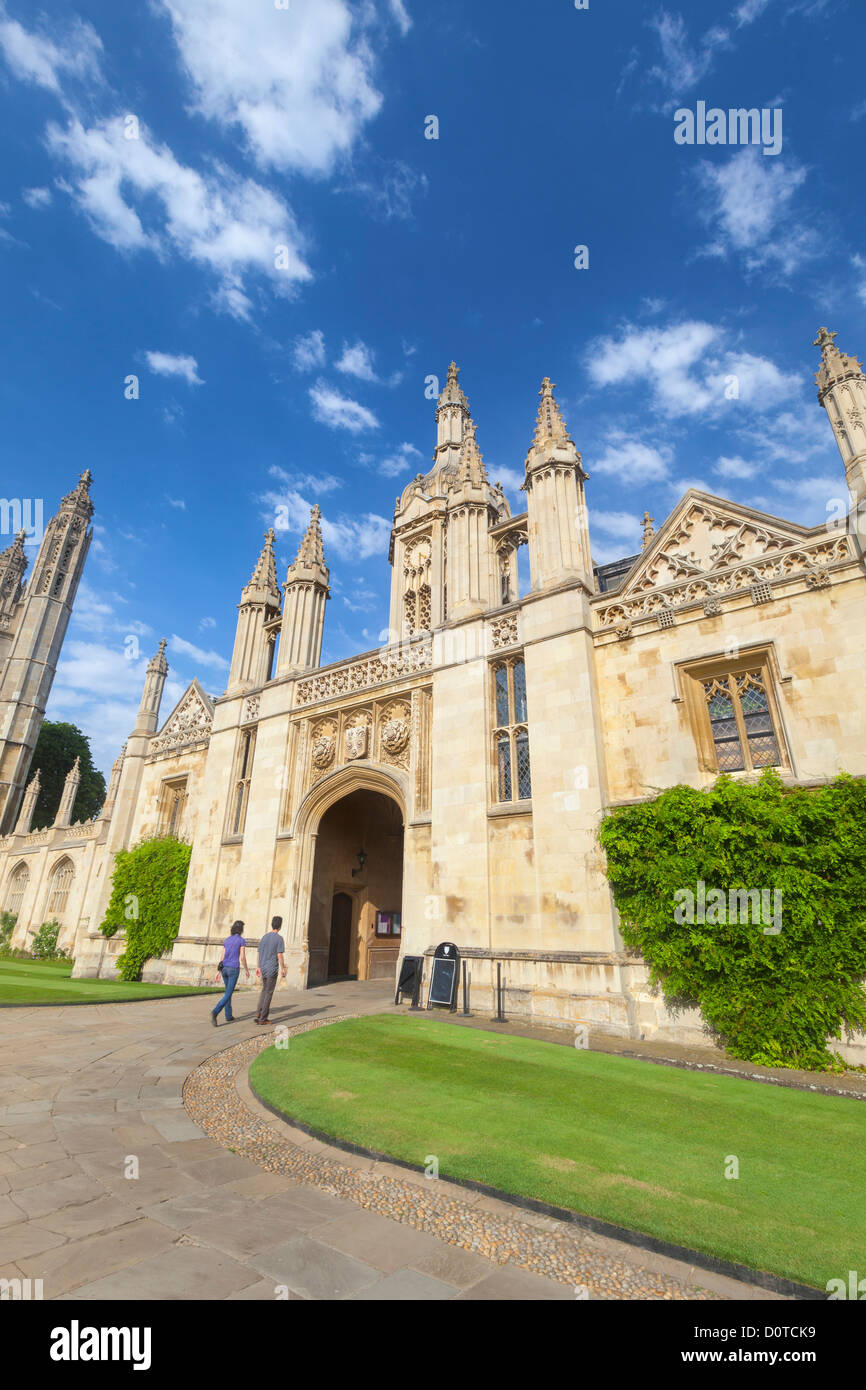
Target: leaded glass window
x=17 y=888
x=741 y=721
x=61 y=882
x=511 y=736
x=243 y=778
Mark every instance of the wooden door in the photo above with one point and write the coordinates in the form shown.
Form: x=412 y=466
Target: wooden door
x=341 y=935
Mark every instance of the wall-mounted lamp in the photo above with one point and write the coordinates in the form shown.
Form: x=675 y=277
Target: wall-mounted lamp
x=362 y=859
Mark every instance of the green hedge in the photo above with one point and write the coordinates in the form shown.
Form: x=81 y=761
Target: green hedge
x=773 y=992
x=147 y=889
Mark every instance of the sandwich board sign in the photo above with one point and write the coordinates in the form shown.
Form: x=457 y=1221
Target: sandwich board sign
x=444 y=977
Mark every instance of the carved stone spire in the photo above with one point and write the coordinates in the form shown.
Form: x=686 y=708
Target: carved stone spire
x=70 y=791
x=151 y=696
x=263 y=586
x=648 y=530
x=28 y=805
x=559 y=548
x=306 y=591
x=471 y=469
x=550 y=428
x=113 y=784
x=452 y=418
x=13 y=563
x=255 y=636
x=79 y=498
x=311 y=551
x=842 y=392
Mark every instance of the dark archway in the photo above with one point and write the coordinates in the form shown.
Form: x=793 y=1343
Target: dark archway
x=357 y=890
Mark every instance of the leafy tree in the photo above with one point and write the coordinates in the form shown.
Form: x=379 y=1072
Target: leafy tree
x=57 y=748
x=772 y=994
x=147 y=889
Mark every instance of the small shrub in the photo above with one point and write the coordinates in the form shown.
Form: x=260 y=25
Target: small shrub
x=44 y=945
x=7 y=927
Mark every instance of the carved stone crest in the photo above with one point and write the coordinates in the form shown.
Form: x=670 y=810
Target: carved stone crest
x=395 y=735
x=323 y=751
x=356 y=742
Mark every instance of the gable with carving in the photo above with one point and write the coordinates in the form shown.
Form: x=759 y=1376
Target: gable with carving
x=708 y=550
x=187 y=727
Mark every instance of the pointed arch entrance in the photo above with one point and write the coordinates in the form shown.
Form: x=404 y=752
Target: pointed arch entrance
x=354 y=921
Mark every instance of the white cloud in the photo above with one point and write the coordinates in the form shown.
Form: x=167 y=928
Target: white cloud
x=630 y=460
x=688 y=369
x=206 y=623
x=401 y=15
x=168 y=364
x=624 y=525
x=308 y=351
x=98 y=687
x=357 y=361
x=860 y=264
x=512 y=479
x=356 y=537
x=316 y=483
x=137 y=196
x=401 y=461
x=36 y=197
x=340 y=412
x=681 y=63
x=36 y=57
x=736 y=467
x=198 y=654
x=750 y=10
x=625 y=532
x=820 y=495
x=749 y=212
x=176 y=502
x=297 y=83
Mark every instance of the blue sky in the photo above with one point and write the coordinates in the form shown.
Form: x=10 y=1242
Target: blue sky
x=155 y=156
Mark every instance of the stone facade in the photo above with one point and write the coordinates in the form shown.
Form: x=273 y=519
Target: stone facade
x=449 y=785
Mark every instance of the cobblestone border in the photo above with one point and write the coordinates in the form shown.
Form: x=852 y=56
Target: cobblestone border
x=534 y=1243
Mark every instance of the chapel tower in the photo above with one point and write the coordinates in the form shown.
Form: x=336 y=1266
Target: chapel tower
x=38 y=617
x=445 y=565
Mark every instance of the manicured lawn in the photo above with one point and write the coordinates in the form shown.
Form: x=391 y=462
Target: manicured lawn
x=641 y=1145
x=48 y=982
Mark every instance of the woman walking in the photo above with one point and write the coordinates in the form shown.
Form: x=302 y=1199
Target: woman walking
x=234 y=957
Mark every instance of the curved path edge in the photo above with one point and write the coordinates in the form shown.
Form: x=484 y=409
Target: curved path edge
x=580 y=1251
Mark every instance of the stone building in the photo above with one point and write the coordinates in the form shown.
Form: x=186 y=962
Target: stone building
x=448 y=786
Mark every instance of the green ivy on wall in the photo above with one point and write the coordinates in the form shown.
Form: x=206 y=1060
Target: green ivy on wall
x=776 y=989
x=147 y=889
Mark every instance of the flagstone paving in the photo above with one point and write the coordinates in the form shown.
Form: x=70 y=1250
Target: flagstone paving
x=111 y=1189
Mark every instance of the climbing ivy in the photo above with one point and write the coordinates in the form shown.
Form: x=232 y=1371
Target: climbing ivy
x=147 y=889
x=775 y=990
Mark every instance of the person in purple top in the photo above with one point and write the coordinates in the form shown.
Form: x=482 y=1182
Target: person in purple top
x=234 y=957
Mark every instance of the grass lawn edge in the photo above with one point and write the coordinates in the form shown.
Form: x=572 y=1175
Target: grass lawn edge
x=773 y=1283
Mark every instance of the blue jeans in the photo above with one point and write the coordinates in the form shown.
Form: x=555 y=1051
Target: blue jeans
x=230 y=979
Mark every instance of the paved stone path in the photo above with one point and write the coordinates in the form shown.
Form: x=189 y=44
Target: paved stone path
x=90 y=1094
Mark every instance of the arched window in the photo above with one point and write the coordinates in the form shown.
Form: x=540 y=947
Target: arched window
x=58 y=895
x=510 y=735
x=18 y=882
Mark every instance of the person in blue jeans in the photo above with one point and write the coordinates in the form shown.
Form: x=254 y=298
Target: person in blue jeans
x=234 y=957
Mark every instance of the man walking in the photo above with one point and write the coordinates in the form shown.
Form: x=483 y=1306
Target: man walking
x=271 y=958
